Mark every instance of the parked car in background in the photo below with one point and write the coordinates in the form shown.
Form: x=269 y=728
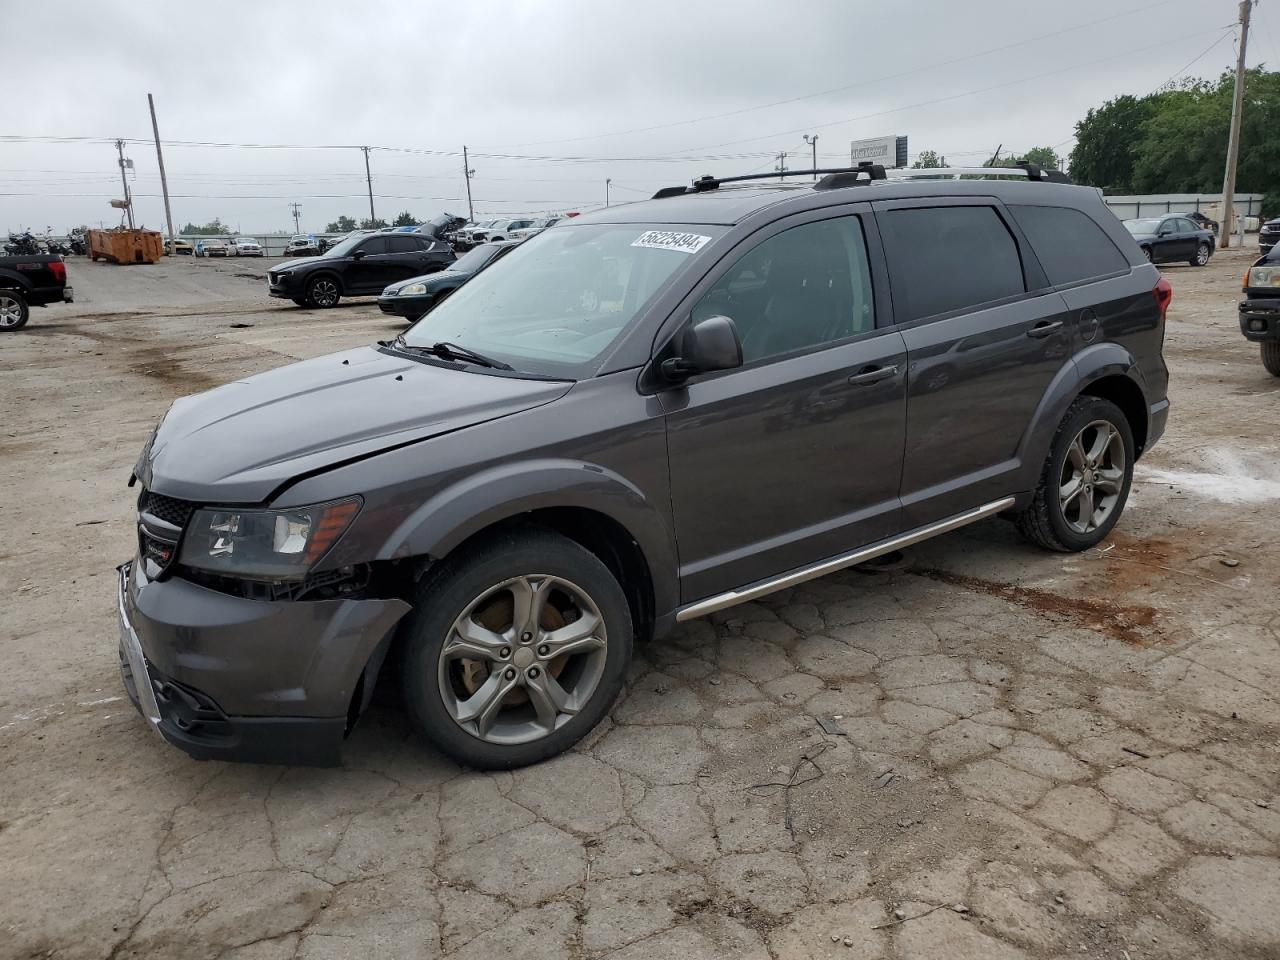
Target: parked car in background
x=1199 y=219
x=28 y=280
x=532 y=480
x=303 y=245
x=1172 y=238
x=414 y=297
x=181 y=247
x=244 y=247
x=537 y=226
x=465 y=237
x=210 y=248
x=1260 y=308
x=499 y=230
x=1269 y=235
x=361 y=265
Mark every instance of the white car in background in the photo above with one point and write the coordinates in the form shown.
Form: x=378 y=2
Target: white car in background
x=244 y=247
x=537 y=226
x=499 y=230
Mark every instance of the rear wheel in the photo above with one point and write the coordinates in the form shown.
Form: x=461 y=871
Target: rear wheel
x=322 y=292
x=515 y=649
x=1271 y=356
x=13 y=310
x=1202 y=255
x=1085 y=481
x=1146 y=251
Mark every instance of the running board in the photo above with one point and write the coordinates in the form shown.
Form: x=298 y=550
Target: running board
x=742 y=595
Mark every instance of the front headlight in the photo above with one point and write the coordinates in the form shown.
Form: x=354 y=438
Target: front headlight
x=265 y=544
x=1266 y=276
x=412 y=290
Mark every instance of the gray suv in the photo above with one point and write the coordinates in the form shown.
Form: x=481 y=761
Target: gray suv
x=648 y=414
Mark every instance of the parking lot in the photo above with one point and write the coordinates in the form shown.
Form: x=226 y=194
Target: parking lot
x=1021 y=754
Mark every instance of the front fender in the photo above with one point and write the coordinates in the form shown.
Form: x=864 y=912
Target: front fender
x=502 y=492
x=1089 y=365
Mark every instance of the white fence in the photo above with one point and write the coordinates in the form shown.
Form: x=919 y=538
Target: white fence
x=1210 y=204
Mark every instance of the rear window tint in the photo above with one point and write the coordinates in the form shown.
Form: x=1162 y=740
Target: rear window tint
x=949 y=258
x=1069 y=245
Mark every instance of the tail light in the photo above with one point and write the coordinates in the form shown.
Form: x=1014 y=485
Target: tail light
x=59 y=269
x=1163 y=293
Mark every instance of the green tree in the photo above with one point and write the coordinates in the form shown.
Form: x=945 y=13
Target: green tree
x=213 y=228
x=929 y=160
x=1042 y=157
x=1107 y=140
x=372 y=224
x=343 y=224
x=405 y=219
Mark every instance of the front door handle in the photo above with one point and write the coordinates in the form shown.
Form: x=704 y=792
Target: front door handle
x=873 y=375
x=1045 y=328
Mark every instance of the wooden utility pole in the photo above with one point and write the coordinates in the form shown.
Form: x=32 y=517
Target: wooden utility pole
x=297 y=209
x=607 y=181
x=782 y=164
x=813 y=142
x=1233 y=140
x=368 y=179
x=466 y=173
x=164 y=183
x=124 y=182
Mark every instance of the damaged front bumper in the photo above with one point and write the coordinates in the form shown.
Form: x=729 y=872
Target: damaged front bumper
x=227 y=678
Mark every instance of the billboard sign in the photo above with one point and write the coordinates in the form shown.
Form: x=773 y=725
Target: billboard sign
x=888 y=151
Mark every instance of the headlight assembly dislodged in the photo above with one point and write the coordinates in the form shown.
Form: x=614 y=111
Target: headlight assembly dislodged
x=412 y=290
x=1266 y=276
x=265 y=544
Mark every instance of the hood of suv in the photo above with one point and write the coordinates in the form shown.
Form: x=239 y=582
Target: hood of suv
x=302 y=262
x=240 y=442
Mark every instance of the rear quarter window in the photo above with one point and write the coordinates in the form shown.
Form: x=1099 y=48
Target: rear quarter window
x=944 y=259
x=1069 y=245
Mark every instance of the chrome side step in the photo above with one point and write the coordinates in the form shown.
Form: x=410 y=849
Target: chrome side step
x=722 y=600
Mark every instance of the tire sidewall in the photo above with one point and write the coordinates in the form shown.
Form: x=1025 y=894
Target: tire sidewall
x=23 y=307
x=311 y=285
x=1195 y=261
x=1271 y=356
x=457 y=583
x=1081 y=414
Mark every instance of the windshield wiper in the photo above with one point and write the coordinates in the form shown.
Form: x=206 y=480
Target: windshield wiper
x=450 y=351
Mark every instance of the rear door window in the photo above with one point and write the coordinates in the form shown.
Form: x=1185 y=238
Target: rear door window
x=374 y=245
x=945 y=259
x=402 y=245
x=1069 y=244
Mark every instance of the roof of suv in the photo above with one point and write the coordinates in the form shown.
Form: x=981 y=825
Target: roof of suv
x=730 y=205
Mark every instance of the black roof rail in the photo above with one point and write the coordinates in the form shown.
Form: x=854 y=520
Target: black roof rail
x=864 y=172
x=1035 y=172
x=872 y=171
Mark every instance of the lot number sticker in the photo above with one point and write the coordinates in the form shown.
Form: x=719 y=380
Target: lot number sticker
x=670 y=240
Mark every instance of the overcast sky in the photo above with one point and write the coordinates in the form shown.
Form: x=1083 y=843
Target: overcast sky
x=612 y=82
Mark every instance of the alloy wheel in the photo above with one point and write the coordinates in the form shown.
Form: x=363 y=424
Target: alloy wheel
x=324 y=293
x=522 y=659
x=1202 y=255
x=10 y=312
x=1092 y=479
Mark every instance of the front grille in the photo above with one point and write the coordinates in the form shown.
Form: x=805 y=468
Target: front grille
x=168 y=509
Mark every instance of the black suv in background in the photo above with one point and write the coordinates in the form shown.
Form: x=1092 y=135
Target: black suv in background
x=645 y=415
x=361 y=265
x=1260 y=308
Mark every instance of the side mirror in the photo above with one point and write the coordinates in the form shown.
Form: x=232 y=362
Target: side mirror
x=1165 y=231
x=710 y=344
x=357 y=254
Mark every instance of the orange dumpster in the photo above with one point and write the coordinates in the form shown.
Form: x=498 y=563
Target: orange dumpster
x=125 y=246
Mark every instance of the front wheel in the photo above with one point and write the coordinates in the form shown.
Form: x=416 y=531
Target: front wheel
x=13 y=311
x=515 y=649
x=1085 y=481
x=1271 y=356
x=322 y=292
x=1202 y=255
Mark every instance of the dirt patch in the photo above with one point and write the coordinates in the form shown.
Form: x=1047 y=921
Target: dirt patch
x=1131 y=623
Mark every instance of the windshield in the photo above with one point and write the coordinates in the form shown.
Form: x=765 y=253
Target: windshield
x=344 y=247
x=477 y=258
x=555 y=304
x=1146 y=225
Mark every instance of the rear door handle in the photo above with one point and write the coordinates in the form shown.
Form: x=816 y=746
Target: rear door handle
x=1044 y=328
x=873 y=375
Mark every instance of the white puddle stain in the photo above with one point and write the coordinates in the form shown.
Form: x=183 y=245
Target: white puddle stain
x=1232 y=479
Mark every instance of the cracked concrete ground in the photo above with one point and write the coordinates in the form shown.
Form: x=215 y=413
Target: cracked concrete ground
x=1029 y=755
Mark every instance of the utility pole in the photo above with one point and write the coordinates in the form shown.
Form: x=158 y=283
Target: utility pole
x=368 y=178
x=467 y=174
x=164 y=183
x=782 y=164
x=297 y=208
x=124 y=182
x=607 y=181
x=813 y=142
x=1233 y=140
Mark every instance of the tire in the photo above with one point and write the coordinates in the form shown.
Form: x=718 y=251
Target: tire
x=1050 y=523
x=299 y=301
x=1146 y=251
x=444 y=693
x=1271 y=356
x=322 y=292
x=1202 y=255
x=14 y=311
